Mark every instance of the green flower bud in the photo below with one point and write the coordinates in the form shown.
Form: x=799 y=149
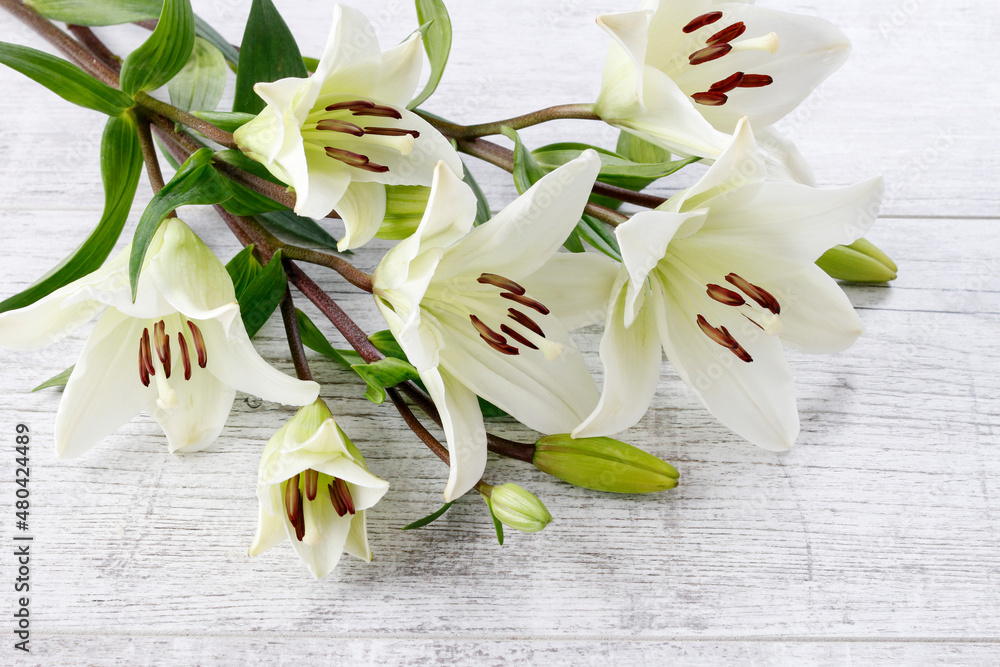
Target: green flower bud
x=517 y=508
x=860 y=262
x=603 y=464
x=404 y=208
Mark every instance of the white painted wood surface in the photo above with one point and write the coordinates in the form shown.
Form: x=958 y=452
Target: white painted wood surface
x=874 y=541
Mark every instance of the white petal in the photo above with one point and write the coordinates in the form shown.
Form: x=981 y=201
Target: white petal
x=402 y=312
x=741 y=164
x=357 y=539
x=524 y=235
x=193 y=416
x=783 y=159
x=400 y=72
x=235 y=362
x=621 y=89
x=574 y=286
x=463 y=427
x=322 y=556
x=270 y=527
x=757 y=400
x=362 y=209
x=816 y=315
x=104 y=390
x=632 y=360
x=352 y=58
x=321 y=183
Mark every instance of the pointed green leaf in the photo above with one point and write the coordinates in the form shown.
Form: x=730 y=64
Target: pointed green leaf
x=263 y=295
x=614 y=168
x=597 y=234
x=635 y=149
x=243 y=268
x=386 y=343
x=483 y=212
x=230 y=121
x=437 y=44
x=196 y=182
x=58 y=380
x=314 y=339
x=420 y=523
x=64 y=79
x=384 y=374
x=496 y=522
x=200 y=84
x=288 y=223
x=121 y=164
x=268 y=53
x=164 y=53
x=208 y=33
x=97 y=12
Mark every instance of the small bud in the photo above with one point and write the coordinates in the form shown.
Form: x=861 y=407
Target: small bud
x=860 y=262
x=516 y=508
x=603 y=464
x=404 y=209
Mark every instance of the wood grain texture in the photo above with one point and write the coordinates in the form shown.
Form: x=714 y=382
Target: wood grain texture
x=874 y=541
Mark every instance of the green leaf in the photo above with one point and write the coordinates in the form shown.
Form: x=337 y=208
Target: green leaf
x=386 y=343
x=243 y=268
x=314 y=339
x=164 y=53
x=64 y=79
x=614 y=168
x=483 y=212
x=200 y=84
x=312 y=64
x=58 y=380
x=597 y=234
x=268 y=53
x=420 y=523
x=384 y=374
x=208 y=33
x=635 y=149
x=496 y=522
x=230 y=121
x=240 y=160
x=263 y=295
x=437 y=44
x=526 y=169
x=289 y=224
x=248 y=202
x=97 y=12
x=121 y=164
x=196 y=182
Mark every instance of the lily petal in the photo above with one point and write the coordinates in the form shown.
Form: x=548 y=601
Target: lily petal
x=322 y=556
x=574 y=286
x=351 y=59
x=357 y=538
x=462 y=422
x=400 y=73
x=270 y=527
x=626 y=58
x=193 y=415
x=362 y=209
x=816 y=315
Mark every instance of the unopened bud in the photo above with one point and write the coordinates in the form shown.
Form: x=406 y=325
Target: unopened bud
x=517 y=508
x=404 y=208
x=860 y=262
x=603 y=464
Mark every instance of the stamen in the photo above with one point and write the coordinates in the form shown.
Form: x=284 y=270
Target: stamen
x=185 y=355
x=727 y=34
x=378 y=111
x=312 y=483
x=502 y=349
x=355 y=160
x=391 y=132
x=292 y=500
x=340 y=497
x=353 y=105
x=727 y=84
x=702 y=21
x=199 y=344
x=144 y=353
x=725 y=339
x=725 y=296
x=488 y=334
x=709 y=53
x=763 y=298
x=756 y=81
x=526 y=301
x=518 y=337
x=525 y=321
x=162 y=346
x=143 y=373
x=710 y=99
x=501 y=282
x=335 y=125
x=300 y=523
x=768 y=42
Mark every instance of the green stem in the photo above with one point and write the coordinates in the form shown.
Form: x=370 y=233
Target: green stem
x=561 y=112
x=210 y=131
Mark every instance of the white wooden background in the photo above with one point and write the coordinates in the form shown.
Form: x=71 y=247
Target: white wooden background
x=874 y=541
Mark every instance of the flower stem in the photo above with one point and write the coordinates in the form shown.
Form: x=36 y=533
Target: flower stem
x=86 y=36
x=259 y=185
x=348 y=271
x=294 y=337
x=419 y=429
x=561 y=112
x=210 y=131
x=149 y=155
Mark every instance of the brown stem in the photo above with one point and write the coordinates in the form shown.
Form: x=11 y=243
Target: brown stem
x=294 y=337
x=210 y=131
x=149 y=157
x=351 y=273
x=563 y=111
x=411 y=420
x=262 y=186
x=86 y=36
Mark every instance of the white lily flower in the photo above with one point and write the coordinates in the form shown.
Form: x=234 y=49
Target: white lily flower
x=718 y=277
x=485 y=312
x=341 y=135
x=681 y=73
x=179 y=352
x=314 y=488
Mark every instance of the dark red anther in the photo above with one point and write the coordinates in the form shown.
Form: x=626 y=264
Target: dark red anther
x=727 y=84
x=756 y=81
x=353 y=105
x=486 y=332
x=709 y=53
x=518 y=337
x=501 y=282
x=162 y=341
x=391 y=132
x=725 y=296
x=526 y=301
x=335 y=125
x=525 y=321
x=199 y=344
x=340 y=497
x=509 y=350
x=293 y=500
x=715 y=334
x=300 y=522
x=378 y=111
x=185 y=355
x=145 y=355
x=702 y=21
x=763 y=298
x=727 y=35
x=312 y=483
x=347 y=157
x=710 y=99
x=143 y=373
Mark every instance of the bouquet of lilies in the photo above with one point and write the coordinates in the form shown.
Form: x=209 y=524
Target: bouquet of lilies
x=480 y=307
